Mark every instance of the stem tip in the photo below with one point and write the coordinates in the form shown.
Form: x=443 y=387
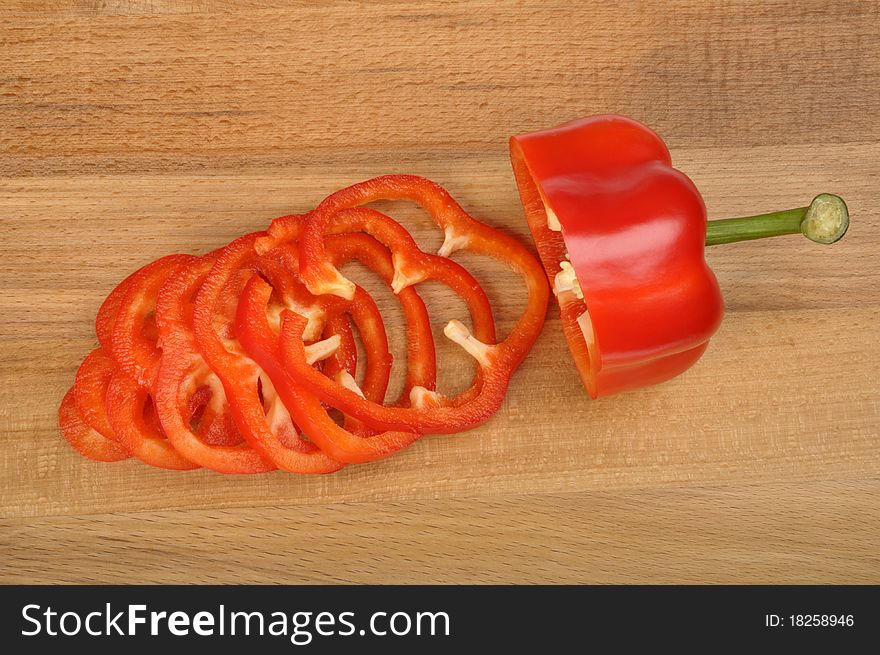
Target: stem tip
x=827 y=219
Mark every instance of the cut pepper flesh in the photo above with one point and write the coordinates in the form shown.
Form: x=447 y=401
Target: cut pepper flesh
x=82 y=438
x=421 y=369
x=496 y=361
x=90 y=391
x=127 y=404
x=182 y=372
x=271 y=433
x=133 y=344
x=260 y=340
x=106 y=317
x=219 y=343
x=213 y=361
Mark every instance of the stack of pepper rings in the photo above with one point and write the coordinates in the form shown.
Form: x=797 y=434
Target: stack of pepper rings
x=232 y=361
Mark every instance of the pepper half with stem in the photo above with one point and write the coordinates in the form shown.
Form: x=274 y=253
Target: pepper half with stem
x=622 y=237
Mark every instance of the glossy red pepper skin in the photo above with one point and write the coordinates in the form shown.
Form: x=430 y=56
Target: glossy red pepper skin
x=634 y=228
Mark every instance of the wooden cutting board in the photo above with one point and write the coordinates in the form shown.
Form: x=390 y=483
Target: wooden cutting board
x=133 y=129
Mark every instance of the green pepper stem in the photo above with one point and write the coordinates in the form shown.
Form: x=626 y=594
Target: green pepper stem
x=824 y=221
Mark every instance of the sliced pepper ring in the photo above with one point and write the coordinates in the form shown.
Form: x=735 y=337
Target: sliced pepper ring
x=90 y=391
x=133 y=344
x=106 y=317
x=126 y=405
x=421 y=369
x=345 y=357
x=386 y=230
x=243 y=261
x=266 y=433
x=182 y=372
x=277 y=268
x=82 y=438
x=241 y=256
x=259 y=339
x=496 y=361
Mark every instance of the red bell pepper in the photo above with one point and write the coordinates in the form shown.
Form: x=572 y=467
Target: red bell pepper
x=279 y=267
x=362 y=311
x=409 y=265
x=109 y=400
x=621 y=235
x=421 y=362
x=260 y=340
x=182 y=373
x=132 y=421
x=341 y=212
x=106 y=317
x=85 y=440
x=209 y=361
x=421 y=368
x=244 y=381
x=133 y=341
x=90 y=391
x=259 y=414
x=345 y=357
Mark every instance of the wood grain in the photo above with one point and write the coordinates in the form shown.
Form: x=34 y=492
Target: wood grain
x=654 y=536
x=132 y=129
